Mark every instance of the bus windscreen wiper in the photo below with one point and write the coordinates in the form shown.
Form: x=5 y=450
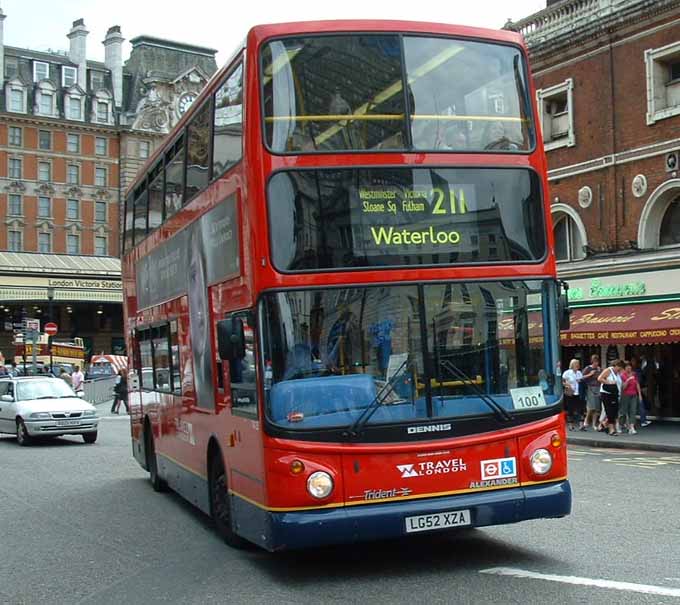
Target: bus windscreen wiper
x=379 y=399
x=497 y=408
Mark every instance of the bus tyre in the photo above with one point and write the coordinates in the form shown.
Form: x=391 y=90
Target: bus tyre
x=90 y=437
x=23 y=438
x=220 y=504
x=158 y=484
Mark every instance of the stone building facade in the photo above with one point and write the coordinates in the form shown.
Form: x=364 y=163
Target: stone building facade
x=73 y=133
x=607 y=74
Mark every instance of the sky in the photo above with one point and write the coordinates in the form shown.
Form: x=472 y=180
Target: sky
x=43 y=24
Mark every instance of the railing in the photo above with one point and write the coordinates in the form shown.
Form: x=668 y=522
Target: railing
x=568 y=16
x=100 y=390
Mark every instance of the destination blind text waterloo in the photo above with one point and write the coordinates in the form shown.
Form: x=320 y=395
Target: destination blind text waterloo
x=434 y=203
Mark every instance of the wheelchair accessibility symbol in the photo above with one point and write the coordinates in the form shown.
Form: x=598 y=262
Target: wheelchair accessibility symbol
x=499 y=468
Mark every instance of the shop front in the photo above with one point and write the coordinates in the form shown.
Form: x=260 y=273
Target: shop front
x=636 y=317
x=82 y=295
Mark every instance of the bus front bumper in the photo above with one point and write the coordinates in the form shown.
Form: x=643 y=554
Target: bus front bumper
x=303 y=529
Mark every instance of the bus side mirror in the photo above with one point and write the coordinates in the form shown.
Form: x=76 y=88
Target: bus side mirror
x=231 y=342
x=563 y=312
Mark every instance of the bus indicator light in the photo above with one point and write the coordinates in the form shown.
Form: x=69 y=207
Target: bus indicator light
x=296 y=467
x=555 y=440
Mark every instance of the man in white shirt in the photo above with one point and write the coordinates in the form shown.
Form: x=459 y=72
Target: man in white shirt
x=78 y=378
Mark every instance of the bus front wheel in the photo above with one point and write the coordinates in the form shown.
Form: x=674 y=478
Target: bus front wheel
x=220 y=505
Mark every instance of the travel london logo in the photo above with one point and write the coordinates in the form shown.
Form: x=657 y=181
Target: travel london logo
x=440 y=467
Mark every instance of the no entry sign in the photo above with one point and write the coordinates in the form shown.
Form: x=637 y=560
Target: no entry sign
x=51 y=328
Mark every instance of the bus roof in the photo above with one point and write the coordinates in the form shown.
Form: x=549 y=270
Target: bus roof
x=258 y=33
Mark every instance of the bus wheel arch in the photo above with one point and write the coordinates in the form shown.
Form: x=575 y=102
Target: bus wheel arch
x=218 y=493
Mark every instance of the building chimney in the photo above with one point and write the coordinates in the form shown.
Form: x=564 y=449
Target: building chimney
x=78 y=50
x=113 y=59
x=2 y=49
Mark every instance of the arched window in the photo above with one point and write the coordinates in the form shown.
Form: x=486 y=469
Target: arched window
x=669 y=233
x=660 y=217
x=569 y=232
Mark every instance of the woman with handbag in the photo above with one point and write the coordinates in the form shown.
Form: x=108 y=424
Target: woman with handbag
x=610 y=389
x=571 y=380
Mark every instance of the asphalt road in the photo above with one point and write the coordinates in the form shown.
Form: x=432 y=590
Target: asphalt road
x=80 y=524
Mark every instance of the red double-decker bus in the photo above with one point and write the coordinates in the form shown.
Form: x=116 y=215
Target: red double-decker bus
x=340 y=291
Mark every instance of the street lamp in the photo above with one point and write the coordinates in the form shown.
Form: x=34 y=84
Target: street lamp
x=50 y=298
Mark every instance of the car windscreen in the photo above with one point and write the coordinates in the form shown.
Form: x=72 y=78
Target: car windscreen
x=383 y=92
x=377 y=217
x=37 y=389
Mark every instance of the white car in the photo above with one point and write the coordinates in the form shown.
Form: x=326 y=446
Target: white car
x=42 y=406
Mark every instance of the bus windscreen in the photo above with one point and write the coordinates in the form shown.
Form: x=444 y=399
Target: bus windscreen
x=390 y=92
x=443 y=350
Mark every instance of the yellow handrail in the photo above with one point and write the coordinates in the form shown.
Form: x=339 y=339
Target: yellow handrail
x=393 y=116
x=451 y=383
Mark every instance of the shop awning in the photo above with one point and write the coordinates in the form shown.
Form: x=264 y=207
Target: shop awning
x=646 y=323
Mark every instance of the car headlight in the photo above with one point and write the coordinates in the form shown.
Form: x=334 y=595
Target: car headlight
x=89 y=413
x=541 y=461
x=320 y=484
x=40 y=416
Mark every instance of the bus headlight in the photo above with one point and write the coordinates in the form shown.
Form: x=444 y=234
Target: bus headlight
x=541 y=461
x=320 y=484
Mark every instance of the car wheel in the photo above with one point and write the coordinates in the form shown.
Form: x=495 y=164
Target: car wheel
x=90 y=437
x=23 y=438
x=220 y=504
x=158 y=484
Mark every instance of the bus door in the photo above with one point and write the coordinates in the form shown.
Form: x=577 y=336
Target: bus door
x=244 y=452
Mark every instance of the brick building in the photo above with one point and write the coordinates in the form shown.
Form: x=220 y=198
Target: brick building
x=607 y=74
x=73 y=133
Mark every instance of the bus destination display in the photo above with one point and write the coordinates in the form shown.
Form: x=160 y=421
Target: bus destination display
x=394 y=219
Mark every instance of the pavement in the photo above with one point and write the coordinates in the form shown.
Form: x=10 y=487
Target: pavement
x=659 y=436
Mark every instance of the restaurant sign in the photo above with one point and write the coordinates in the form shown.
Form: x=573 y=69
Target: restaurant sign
x=626 y=286
x=634 y=324
x=598 y=289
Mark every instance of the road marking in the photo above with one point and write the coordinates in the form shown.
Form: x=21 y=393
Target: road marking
x=114 y=418
x=597 y=583
x=636 y=459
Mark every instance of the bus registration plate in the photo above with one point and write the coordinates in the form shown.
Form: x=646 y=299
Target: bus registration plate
x=454 y=518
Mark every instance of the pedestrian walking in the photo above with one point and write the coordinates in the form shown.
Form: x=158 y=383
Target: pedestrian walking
x=120 y=393
x=643 y=391
x=78 y=378
x=593 y=403
x=610 y=389
x=631 y=396
x=571 y=380
x=66 y=377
